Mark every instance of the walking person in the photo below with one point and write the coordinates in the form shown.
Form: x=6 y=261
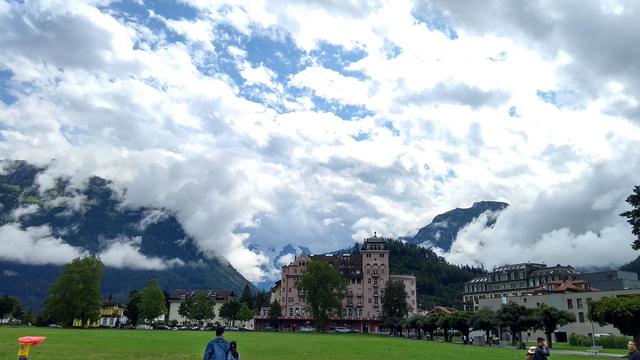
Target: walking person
x=633 y=351
x=542 y=351
x=233 y=351
x=218 y=348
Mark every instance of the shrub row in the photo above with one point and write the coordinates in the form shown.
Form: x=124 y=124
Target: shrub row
x=609 y=342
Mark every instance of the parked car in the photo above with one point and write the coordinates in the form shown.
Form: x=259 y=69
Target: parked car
x=233 y=328
x=54 y=326
x=342 y=329
x=307 y=329
x=144 y=327
x=163 y=327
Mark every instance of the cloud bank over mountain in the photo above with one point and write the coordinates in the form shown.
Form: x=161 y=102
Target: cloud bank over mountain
x=267 y=123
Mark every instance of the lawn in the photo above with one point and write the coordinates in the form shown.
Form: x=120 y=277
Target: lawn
x=71 y=344
x=566 y=346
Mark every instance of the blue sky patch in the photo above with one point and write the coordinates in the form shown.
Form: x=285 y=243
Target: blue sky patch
x=338 y=58
x=5 y=88
x=547 y=96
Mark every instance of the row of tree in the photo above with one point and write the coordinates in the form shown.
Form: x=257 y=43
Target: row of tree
x=516 y=318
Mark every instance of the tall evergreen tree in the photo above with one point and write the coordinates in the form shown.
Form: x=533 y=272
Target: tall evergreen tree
x=247 y=297
x=262 y=299
x=394 y=305
x=152 y=301
x=274 y=313
x=132 y=312
x=323 y=288
x=633 y=216
x=76 y=292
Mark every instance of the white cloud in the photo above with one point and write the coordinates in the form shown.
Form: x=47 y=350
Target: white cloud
x=34 y=245
x=117 y=98
x=125 y=253
x=24 y=211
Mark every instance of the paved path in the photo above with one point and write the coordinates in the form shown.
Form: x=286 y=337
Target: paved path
x=586 y=353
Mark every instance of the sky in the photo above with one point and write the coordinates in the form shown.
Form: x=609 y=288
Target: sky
x=315 y=123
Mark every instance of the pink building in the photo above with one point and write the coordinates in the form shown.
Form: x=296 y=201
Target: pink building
x=367 y=274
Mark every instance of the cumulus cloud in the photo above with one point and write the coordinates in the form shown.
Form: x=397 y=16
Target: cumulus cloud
x=125 y=253
x=576 y=223
x=35 y=245
x=167 y=108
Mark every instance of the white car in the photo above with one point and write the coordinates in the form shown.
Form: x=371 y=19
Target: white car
x=342 y=329
x=307 y=329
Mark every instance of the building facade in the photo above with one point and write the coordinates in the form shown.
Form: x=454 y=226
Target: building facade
x=574 y=302
x=366 y=273
x=612 y=280
x=218 y=296
x=512 y=280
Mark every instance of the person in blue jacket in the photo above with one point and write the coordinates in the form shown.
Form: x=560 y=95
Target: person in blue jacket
x=218 y=348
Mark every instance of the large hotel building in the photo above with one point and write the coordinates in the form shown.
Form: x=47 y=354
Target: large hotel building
x=366 y=273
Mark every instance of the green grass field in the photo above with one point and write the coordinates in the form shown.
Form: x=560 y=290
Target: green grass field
x=71 y=344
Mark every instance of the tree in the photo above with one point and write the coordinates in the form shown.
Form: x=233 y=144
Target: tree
x=76 y=292
x=262 y=298
x=518 y=319
x=247 y=297
x=486 y=320
x=414 y=323
x=16 y=313
x=132 y=312
x=445 y=322
x=152 y=301
x=274 y=313
x=429 y=324
x=7 y=304
x=323 y=288
x=245 y=313
x=394 y=304
x=622 y=312
x=552 y=318
x=633 y=216
x=461 y=321
x=28 y=318
x=198 y=307
x=229 y=310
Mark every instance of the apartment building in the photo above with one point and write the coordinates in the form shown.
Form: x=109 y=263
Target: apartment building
x=512 y=280
x=366 y=273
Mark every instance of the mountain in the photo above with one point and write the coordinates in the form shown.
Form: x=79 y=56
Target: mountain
x=141 y=243
x=445 y=227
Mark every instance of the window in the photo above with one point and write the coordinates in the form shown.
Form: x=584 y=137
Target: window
x=581 y=317
x=375 y=281
x=569 y=304
x=297 y=311
x=579 y=303
x=369 y=280
x=290 y=311
x=369 y=300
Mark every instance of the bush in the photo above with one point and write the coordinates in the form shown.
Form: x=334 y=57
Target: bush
x=608 y=342
x=612 y=342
